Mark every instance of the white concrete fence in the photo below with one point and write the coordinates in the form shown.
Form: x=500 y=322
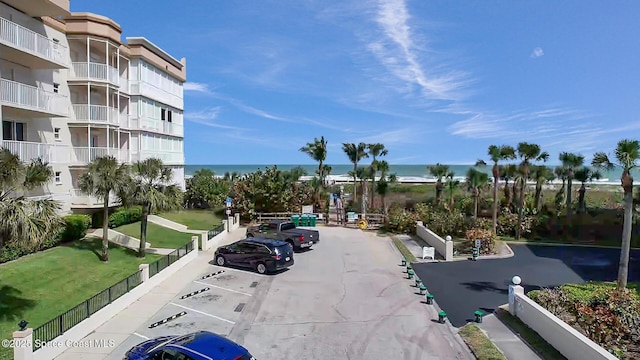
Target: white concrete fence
x=24 y=339
x=442 y=246
x=567 y=340
x=221 y=238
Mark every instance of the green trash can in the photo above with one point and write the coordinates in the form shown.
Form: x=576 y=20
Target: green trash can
x=304 y=220
x=295 y=219
x=313 y=220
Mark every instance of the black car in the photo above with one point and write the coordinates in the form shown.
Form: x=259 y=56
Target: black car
x=263 y=255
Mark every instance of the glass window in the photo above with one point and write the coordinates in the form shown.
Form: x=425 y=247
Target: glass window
x=20 y=131
x=7 y=130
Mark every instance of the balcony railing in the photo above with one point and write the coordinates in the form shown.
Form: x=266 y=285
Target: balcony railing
x=85 y=155
x=153 y=92
x=50 y=153
x=95 y=71
x=32 y=98
x=80 y=198
x=170 y=128
x=96 y=114
x=29 y=41
x=168 y=157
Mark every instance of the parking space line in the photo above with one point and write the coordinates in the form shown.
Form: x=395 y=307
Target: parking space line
x=244 y=272
x=203 y=313
x=141 y=336
x=221 y=288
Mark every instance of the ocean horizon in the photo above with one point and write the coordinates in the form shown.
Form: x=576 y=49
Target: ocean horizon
x=402 y=171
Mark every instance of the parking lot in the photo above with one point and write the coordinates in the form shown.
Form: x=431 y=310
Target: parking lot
x=346 y=298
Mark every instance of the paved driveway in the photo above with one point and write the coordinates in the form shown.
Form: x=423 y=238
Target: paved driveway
x=462 y=287
x=344 y=299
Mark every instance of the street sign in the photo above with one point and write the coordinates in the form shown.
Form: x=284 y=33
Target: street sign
x=229 y=201
x=478 y=243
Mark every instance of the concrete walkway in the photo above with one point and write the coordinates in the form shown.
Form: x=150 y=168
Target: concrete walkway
x=123 y=325
x=509 y=343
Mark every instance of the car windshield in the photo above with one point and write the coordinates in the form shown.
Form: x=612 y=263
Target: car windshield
x=287 y=226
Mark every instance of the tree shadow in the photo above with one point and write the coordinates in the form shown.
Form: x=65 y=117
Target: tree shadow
x=481 y=286
x=91 y=244
x=13 y=304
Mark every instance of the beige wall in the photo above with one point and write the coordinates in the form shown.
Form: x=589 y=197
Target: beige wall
x=92 y=24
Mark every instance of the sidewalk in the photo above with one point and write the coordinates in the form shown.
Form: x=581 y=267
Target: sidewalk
x=513 y=347
x=122 y=326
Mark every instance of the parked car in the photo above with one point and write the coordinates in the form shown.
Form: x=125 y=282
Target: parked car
x=285 y=231
x=263 y=255
x=202 y=345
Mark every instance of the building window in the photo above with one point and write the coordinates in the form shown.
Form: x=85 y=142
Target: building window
x=13 y=130
x=169 y=115
x=163 y=114
x=55 y=87
x=56 y=133
x=58 y=177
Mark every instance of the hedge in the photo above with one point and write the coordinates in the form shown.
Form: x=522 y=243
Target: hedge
x=76 y=227
x=124 y=216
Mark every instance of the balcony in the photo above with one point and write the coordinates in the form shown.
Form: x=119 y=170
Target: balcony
x=85 y=155
x=159 y=126
x=90 y=71
x=96 y=114
x=34 y=102
x=50 y=153
x=153 y=92
x=167 y=157
x=25 y=46
x=79 y=199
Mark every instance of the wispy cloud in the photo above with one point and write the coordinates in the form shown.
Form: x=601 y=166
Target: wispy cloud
x=197 y=87
x=537 y=52
x=400 y=136
x=208 y=117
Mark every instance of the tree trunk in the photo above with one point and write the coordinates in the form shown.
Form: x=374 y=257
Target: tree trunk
x=582 y=208
x=105 y=230
x=523 y=187
x=496 y=176
x=508 y=195
x=143 y=232
x=515 y=197
x=569 y=194
x=536 y=202
x=623 y=270
x=475 y=203
x=355 y=180
x=438 y=191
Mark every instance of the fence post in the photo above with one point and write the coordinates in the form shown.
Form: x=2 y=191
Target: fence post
x=514 y=289
x=204 y=240
x=23 y=349
x=194 y=244
x=144 y=272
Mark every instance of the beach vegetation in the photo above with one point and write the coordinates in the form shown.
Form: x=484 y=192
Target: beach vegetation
x=205 y=190
x=355 y=153
x=439 y=171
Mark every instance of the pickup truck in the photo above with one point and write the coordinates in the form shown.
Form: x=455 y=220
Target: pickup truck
x=285 y=231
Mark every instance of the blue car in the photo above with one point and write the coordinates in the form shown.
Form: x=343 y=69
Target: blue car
x=202 y=345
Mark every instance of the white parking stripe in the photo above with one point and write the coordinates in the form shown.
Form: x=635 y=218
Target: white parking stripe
x=221 y=288
x=242 y=271
x=203 y=313
x=142 y=336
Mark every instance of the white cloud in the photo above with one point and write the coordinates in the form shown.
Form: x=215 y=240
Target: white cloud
x=400 y=136
x=537 y=52
x=208 y=117
x=197 y=87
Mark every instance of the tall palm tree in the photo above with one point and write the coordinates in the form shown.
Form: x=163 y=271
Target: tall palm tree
x=355 y=153
x=104 y=176
x=561 y=173
x=628 y=155
x=375 y=150
x=383 y=183
x=151 y=187
x=497 y=154
x=438 y=171
x=476 y=181
x=571 y=162
x=583 y=175
x=528 y=153
x=508 y=172
x=451 y=186
x=317 y=150
x=541 y=175
x=25 y=221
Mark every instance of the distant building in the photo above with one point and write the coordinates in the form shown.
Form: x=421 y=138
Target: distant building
x=71 y=91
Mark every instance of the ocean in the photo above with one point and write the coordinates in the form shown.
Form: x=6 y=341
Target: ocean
x=405 y=173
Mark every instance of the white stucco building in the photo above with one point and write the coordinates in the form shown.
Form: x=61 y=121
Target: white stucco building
x=72 y=90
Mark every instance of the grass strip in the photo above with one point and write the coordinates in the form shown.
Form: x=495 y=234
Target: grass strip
x=404 y=250
x=529 y=336
x=481 y=346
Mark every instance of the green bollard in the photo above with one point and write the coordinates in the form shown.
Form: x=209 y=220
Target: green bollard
x=409 y=267
x=423 y=289
x=442 y=317
x=410 y=274
x=418 y=281
x=430 y=299
x=479 y=314
x=404 y=262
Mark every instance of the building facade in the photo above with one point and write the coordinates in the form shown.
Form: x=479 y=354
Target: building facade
x=72 y=91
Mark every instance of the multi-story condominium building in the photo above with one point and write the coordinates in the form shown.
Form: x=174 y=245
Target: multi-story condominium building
x=72 y=91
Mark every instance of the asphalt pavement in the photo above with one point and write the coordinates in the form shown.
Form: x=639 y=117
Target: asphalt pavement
x=462 y=287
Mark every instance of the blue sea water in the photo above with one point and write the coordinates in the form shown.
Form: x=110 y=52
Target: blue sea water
x=416 y=171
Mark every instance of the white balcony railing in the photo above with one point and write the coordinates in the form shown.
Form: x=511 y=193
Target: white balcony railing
x=170 y=128
x=167 y=157
x=124 y=120
x=24 y=96
x=153 y=92
x=80 y=198
x=96 y=113
x=95 y=71
x=50 y=153
x=85 y=155
x=29 y=41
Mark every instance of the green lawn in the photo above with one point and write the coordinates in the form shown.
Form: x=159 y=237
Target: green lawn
x=41 y=286
x=194 y=219
x=158 y=236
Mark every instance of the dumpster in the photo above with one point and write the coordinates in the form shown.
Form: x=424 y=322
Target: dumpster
x=295 y=219
x=312 y=220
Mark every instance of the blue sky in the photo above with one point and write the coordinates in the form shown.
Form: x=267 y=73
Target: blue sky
x=435 y=81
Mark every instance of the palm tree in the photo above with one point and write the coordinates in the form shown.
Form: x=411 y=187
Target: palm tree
x=150 y=187
x=541 y=174
x=561 y=173
x=497 y=154
x=317 y=150
x=628 y=155
x=527 y=153
x=438 y=171
x=476 y=181
x=375 y=150
x=583 y=175
x=571 y=162
x=103 y=177
x=26 y=222
x=383 y=183
x=355 y=153
x=507 y=173
x=451 y=186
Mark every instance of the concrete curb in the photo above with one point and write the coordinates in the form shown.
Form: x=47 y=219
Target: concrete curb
x=562 y=244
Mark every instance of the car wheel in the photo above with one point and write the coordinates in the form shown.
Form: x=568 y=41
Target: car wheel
x=221 y=261
x=261 y=268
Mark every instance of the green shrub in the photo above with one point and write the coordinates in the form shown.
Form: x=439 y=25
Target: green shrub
x=401 y=220
x=124 y=216
x=486 y=237
x=508 y=223
x=75 y=228
x=11 y=252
